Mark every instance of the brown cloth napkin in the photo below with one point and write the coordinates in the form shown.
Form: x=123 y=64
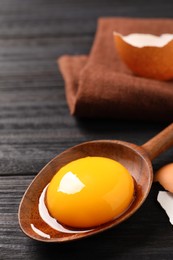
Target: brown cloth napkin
x=100 y=85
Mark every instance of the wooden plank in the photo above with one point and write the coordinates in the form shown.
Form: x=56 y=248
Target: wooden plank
x=139 y=234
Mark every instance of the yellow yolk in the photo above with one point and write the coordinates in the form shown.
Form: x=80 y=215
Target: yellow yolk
x=89 y=191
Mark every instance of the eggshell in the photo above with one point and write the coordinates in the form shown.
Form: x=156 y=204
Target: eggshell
x=165 y=177
x=166 y=201
x=147 y=55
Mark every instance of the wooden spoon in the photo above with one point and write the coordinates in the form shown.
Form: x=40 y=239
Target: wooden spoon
x=135 y=158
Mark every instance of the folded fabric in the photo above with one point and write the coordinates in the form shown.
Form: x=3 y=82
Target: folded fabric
x=100 y=85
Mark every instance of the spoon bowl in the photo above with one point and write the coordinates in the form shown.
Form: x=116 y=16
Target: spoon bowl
x=137 y=159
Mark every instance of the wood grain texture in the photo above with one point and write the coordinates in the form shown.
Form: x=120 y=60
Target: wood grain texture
x=35 y=124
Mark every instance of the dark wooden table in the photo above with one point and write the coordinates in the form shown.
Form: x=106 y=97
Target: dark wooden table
x=35 y=124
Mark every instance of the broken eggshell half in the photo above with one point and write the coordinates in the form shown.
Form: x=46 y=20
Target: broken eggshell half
x=165 y=177
x=147 y=55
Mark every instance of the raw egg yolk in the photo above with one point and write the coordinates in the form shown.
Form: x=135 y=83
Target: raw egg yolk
x=89 y=191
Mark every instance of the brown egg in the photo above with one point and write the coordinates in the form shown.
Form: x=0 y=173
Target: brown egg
x=147 y=55
x=165 y=177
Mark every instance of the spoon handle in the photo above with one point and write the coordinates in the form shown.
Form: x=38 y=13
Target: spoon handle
x=159 y=143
